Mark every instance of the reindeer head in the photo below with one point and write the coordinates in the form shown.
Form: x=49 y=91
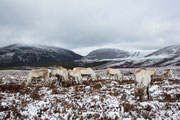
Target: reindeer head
x=139 y=92
x=152 y=72
x=98 y=77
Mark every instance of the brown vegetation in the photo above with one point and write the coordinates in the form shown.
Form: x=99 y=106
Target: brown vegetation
x=105 y=91
x=12 y=88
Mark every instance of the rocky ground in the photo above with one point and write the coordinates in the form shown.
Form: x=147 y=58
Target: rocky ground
x=102 y=99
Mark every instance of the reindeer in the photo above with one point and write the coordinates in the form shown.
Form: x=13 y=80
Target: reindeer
x=76 y=75
x=61 y=73
x=44 y=73
x=87 y=72
x=143 y=80
x=167 y=73
x=114 y=72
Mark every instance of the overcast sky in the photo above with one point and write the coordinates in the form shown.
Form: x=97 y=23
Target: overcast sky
x=85 y=25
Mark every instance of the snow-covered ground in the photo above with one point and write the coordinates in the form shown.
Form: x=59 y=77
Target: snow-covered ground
x=102 y=99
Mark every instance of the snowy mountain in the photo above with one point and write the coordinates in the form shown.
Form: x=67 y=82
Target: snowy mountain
x=135 y=54
x=20 y=54
x=107 y=53
x=173 y=50
x=167 y=56
x=139 y=53
x=110 y=54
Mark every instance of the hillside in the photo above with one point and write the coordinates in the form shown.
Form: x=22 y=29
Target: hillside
x=167 y=56
x=106 y=53
x=20 y=54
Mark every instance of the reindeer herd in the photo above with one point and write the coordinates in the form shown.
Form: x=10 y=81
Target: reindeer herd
x=62 y=74
x=143 y=77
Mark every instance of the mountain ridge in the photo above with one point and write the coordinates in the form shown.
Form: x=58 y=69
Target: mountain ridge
x=109 y=53
x=22 y=54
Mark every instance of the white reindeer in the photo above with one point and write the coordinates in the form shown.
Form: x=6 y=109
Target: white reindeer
x=44 y=73
x=76 y=75
x=114 y=72
x=61 y=72
x=143 y=80
x=167 y=73
x=87 y=72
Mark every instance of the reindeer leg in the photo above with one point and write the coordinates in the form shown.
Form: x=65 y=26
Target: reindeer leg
x=147 y=92
x=107 y=76
x=142 y=97
x=135 y=90
x=77 y=80
x=46 y=83
x=58 y=79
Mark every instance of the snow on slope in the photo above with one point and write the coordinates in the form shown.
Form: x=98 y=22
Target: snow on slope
x=168 y=56
x=20 y=54
x=109 y=54
x=172 y=50
x=106 y=53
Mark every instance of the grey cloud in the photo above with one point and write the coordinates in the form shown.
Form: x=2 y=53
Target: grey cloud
x=77 y=25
